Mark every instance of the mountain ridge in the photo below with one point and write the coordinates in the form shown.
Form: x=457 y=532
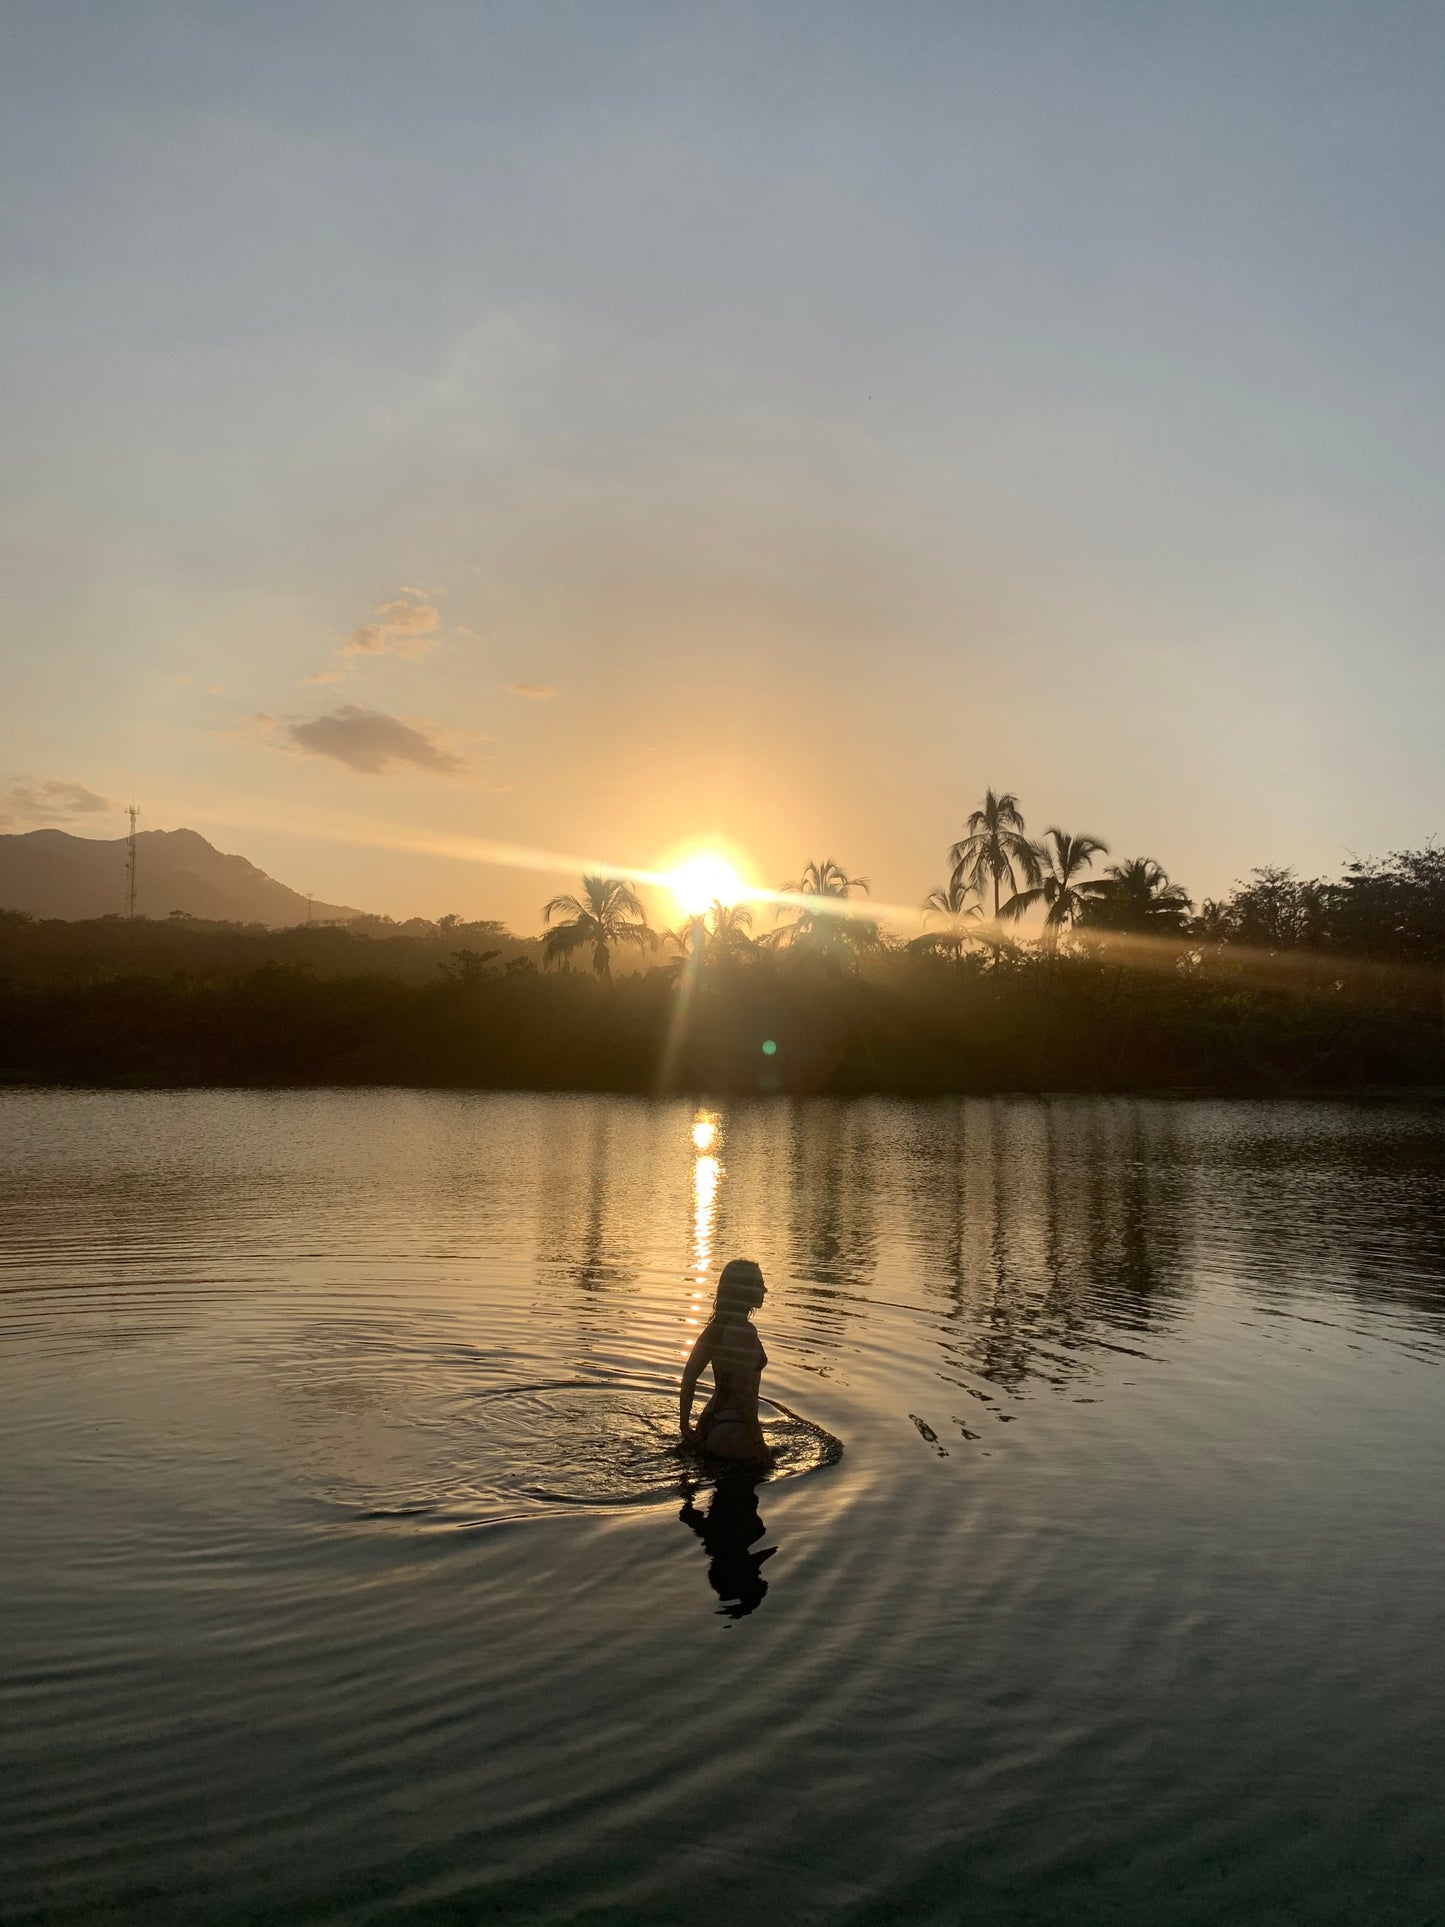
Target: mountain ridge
x=54 y=873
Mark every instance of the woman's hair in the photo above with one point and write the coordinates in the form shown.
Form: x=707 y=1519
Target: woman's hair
x=739 y=1289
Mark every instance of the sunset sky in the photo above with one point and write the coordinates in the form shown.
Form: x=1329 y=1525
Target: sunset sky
x=602 y=428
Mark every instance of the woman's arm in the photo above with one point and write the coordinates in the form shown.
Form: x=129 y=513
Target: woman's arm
x=691 y=1372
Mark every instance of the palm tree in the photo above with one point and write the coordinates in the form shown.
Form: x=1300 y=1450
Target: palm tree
x=1062 y=862
x=1139 y=896
x=689 y=935
x=825 y=929
x=994 y=848
x=728 y=925
x=720 y=932
x=609 y=912
x=950 y=907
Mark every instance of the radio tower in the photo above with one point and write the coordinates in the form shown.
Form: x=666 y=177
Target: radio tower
x=132 y=812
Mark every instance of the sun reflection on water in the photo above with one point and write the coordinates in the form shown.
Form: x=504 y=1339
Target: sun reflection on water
x=706 y=1180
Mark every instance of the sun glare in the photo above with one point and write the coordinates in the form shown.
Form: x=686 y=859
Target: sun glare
x=703 y=880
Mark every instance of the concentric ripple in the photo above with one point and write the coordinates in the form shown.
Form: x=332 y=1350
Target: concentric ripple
x=499 y=1453
x=612 y=1444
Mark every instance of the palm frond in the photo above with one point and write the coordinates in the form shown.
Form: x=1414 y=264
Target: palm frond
x=1021 y=902
x=1022 y=856
x=558 y=904
x=730 y=916
x=559 y=943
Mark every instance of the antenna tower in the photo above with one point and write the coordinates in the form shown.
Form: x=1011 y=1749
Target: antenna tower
x=133 y=813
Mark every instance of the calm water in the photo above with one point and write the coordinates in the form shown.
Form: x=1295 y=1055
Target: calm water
x=349 y=1576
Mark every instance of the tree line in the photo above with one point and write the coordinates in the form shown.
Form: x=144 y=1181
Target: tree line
x=998 y=876
x=1286 y=984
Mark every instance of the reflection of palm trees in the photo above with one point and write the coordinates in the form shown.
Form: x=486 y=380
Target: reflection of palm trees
x=994 y=849
x=993 y=1332
x=831 y=1204
x=1051 y=1234
x=1063 y=860
x=581 y=1236
x=1135 y=1237
x=952 y=908
x=728 y=1529
x=938 y=1159
x=608 y=913
x=1009 y=1340
x=589 y=1267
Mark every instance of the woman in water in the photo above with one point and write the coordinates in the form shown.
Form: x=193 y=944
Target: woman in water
x=729 y=1426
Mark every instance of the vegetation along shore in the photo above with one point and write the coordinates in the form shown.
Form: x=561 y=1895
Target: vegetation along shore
x=1042 y=967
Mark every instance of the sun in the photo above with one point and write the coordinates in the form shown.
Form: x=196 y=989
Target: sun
x=703 y=880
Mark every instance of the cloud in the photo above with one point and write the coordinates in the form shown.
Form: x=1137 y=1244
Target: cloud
x=537 y=691
x=52 y=802
x=367 y=740
x=406 y=627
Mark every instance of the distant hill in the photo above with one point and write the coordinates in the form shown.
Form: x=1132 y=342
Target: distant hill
x=51 y=873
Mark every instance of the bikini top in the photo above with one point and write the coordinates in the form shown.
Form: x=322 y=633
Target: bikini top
x=738 y=1358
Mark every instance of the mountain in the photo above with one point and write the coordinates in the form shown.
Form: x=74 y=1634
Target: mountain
x=51 y=873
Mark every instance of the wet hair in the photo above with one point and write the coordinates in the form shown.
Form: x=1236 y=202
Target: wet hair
x=739 y=1289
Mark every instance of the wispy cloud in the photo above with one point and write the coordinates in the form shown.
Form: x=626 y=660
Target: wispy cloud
x=537 y=691
x=50 y=802
x=408 y=627
x=372 y=742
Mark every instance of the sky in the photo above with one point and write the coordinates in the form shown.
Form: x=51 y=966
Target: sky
x=600 y=430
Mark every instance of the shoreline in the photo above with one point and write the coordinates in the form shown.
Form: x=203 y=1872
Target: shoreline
x=1426 y=1094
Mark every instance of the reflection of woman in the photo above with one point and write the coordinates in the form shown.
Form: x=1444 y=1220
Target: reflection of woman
x=728 y=1529
x=729 y=1424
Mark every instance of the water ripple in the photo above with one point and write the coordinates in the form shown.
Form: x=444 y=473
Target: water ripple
x=1118 y=1605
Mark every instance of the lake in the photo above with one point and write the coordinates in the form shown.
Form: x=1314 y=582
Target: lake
x=350 y=1573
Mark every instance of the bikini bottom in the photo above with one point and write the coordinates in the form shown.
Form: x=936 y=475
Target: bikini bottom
x=729 y=1425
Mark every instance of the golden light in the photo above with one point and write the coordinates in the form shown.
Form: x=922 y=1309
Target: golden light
x=706 y=1177
x=703 y=880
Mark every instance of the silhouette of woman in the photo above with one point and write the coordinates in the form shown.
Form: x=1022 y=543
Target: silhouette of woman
x=729 y=1426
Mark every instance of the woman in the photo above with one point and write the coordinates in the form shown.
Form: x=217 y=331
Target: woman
x=729 y=1426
